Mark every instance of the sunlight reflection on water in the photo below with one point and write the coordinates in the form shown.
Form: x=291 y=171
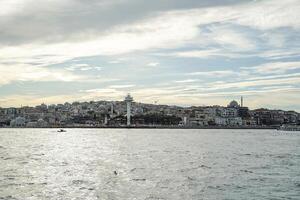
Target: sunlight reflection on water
x=149 y=164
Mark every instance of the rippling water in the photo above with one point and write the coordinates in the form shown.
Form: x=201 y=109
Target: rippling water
x=149 y=164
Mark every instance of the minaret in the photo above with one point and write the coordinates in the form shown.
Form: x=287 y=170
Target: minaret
x=242 y=101
x=128 y=100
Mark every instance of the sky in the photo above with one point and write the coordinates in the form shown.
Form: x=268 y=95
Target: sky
x=192 y=52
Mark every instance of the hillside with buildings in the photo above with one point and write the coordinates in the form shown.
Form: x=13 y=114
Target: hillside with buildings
x=129 y=113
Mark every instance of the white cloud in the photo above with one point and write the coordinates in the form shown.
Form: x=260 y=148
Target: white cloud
x=280 y=54
x=153 y=64
x=9 y=7
x=196 y=53
x=269 y=14
x=187 y=81
x=213 y=73
x=207 y=54
x=103 y=93
x=277 y=76
x=231 y=39
x=82 y=67
x=277 y=40
x=168 y=30
x=255 y=83
x=114 y=62
x=275 y=67
x=23 y=72
x=121 y=86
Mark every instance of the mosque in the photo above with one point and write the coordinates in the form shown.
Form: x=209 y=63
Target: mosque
x=235 y=104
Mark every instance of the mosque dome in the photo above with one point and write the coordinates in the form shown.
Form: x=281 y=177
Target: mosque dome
x=233 y=104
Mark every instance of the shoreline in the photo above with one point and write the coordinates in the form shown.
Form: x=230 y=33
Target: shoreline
x=146 y=127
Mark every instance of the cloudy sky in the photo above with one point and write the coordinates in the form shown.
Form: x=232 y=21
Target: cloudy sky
x=192 y=52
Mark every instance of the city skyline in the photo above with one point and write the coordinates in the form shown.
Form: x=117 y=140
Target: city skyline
x=239 y=102
x=136 y=114
x=174 y=53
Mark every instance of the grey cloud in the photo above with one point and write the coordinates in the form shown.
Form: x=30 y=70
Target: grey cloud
x=54 y=21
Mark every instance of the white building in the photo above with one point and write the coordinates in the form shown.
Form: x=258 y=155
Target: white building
x=18 y=122
x=37 y=124
x=228 y=112
x=232 y=121
x=235 y=121
x=41 y=123
x=221 y=121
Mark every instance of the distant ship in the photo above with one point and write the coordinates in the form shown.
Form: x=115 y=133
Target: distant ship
x=289 y=128
x=61 y=130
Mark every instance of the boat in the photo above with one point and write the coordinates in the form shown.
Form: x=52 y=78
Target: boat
x=61 y=131
x=289 y=128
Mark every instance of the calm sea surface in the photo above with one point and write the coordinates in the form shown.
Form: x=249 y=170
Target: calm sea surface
x=149 y=164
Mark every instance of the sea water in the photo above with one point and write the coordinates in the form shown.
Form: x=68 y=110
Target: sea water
x=40 y=164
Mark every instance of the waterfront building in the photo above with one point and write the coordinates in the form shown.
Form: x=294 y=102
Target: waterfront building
x=243 y=112
x=231 y=121
x=220 y=121
x=37 y=124
x=18 y=122
x=31 y=125
x=228 y=112
x=42 y=123
x=235 y=121
x=249 y=122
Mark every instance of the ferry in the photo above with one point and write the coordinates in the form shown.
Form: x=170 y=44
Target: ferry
x=289 y=128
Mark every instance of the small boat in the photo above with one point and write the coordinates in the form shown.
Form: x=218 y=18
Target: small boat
x=61 y=131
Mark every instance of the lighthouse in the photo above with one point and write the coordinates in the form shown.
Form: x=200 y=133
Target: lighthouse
x=128 y=100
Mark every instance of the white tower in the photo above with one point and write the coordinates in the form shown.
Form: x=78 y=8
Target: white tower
x=128 y=100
